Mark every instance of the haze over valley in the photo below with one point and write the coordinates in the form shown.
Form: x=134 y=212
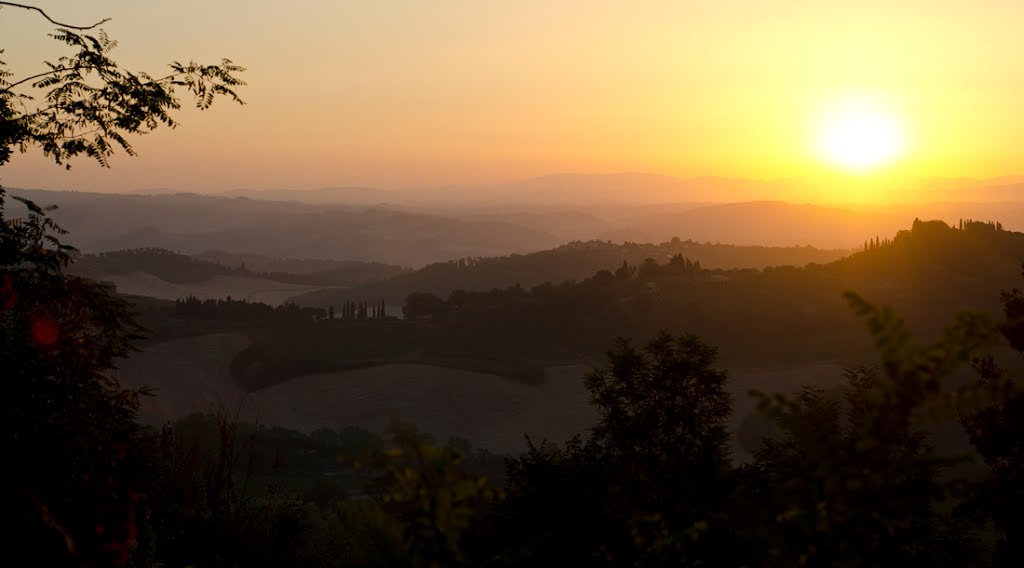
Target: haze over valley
x=414 y=228
x=324 y=249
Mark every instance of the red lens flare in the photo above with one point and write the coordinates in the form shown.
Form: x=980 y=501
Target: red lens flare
x=44 y=332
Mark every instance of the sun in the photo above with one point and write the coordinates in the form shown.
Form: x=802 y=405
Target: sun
x=860 y=136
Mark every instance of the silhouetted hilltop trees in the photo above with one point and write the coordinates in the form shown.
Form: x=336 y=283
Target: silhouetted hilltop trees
x=244 y=311
x=933 y=249
x=362 y=310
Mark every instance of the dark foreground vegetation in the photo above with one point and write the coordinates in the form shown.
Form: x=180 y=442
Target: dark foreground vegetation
x=854 y=481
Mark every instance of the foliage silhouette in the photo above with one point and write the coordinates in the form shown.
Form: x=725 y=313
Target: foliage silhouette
x=77 y=477
x=650 y=484
x=435 y=499
x=995 y=430
x=76 y=490
x=88 y=104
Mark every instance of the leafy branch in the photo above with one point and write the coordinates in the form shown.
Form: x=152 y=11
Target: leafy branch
x=90 y=104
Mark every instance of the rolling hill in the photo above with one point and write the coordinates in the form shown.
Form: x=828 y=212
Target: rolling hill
x=192 y=223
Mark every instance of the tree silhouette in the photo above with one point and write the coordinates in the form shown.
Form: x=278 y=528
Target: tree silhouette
x=74 y=480
x=86 y=104
x=997 y=433
x=650 y=486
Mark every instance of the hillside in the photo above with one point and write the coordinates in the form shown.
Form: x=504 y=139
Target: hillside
x=180 y=269
x=574 y=261
x=927 y=273
x=776 y=328
x=778 y=316
x=163 y=274
x=161 y=263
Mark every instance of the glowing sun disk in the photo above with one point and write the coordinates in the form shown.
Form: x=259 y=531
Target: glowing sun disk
x=860 y=138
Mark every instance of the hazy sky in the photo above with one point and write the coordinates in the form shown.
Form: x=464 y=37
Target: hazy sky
x=409 y=93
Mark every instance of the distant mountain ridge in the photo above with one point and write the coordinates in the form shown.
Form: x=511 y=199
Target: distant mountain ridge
x=640 y=188
x=322 y=196
x=191 y=223
x=408 y=235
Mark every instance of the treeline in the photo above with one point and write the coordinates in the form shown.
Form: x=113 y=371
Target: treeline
x=936 y=228
x=362 y=310
x=420 y=305
x=573 y=261
x=243 y=310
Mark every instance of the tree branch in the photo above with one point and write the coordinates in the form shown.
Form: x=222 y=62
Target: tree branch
x=51 y=20
x=11 y=86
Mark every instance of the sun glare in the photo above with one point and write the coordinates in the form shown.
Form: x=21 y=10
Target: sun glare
x=860 y=136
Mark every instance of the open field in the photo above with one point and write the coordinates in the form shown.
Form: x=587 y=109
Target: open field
x=188 y=375
x=490 y=411
x=193 y=375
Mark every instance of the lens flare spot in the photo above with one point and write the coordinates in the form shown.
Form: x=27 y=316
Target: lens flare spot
x=44 y=332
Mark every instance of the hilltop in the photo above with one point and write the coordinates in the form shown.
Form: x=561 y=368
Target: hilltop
x=160 y=273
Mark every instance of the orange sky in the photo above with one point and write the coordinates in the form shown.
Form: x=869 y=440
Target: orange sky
x=388 y=93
